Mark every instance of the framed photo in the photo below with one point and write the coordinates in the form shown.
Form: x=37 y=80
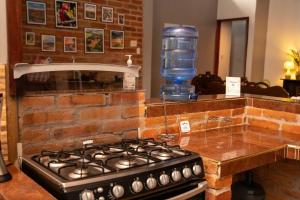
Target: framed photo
x=70 y=44
x=66 y=14
x=116 y=39
x=121 y=19
x=48 y=43
x=94 y=40
x=107 y=14
x=36 y=12
x=30 y=38
x=90 y=11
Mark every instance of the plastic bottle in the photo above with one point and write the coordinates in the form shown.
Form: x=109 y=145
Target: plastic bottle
x=178 y=61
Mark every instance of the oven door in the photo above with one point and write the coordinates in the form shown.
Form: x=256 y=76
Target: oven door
x=190 y=191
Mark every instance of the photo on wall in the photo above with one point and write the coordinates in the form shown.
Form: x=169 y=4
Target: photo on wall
x=107 y=14
x=70 y=44
x=36 y=12
x=66 y=14
x=116 y=39
x=48 y=43
x=90 y=11
x=94 y=40
x=121 y=19
x=30 y=38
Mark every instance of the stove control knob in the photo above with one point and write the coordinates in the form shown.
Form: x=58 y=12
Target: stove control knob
x=176 y=175
x=100 y=189
x=151 y=183
x=87 y=195
x=118 y=191
x=197 y=170
x=137 y=186
x=187 y=172
x=164 y=179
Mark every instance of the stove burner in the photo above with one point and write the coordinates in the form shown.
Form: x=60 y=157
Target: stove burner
x=124 y=163
x=137 y=147
x=161 y=154
x=55 y=164
x=100 y=155
x=79 y=173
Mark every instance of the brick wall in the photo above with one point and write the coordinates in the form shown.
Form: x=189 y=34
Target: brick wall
x=60 y=121
x=274 y=115
x=198 y=121
x=133 y=11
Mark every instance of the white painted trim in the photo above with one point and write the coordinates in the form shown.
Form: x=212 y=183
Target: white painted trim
x=21 y=69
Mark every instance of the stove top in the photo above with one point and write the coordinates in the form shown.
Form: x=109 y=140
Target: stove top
x=100 y=169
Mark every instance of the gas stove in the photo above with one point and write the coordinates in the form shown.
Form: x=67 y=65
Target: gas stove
x=131 y=169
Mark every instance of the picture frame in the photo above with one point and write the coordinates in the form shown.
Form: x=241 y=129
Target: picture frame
x=121 y=19
x=94 y=40
x=36 y=12
x=66 y=14
x=30 y=38
x=116 y=39
x=70 y=44
x=48 y=43
x=90 y=11
x=107 y=14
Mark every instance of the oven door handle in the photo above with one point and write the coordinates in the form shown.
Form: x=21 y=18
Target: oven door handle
x=200 y=188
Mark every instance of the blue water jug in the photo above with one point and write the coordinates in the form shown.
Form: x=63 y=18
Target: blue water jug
x=178 y=61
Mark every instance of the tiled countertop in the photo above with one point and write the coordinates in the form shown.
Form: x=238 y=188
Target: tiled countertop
x=237 y=149
x=22 y=187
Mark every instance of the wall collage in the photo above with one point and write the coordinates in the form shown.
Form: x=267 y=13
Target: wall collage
x=66 y=17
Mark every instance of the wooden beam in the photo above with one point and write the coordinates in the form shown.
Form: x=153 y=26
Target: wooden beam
x=14 y=30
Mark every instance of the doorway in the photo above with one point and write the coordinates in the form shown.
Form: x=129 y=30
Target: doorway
x=231 y=47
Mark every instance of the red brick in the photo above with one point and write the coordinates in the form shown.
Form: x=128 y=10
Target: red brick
x=220 y=113
x=35 y=135
x=218 y=195
x=35 y=118
x=60 y=116
x=218 y=183
x=133 y=111
x=238 y=111
x=99 y=99
x=133 y=98
x=291 y=128
x=121 y=125
x=254 y=111
x=37 y=101
x=76 y=131
x=289 y=117
x=263 y=123
x=64 y=101
x=160 y=121
x=100 y=113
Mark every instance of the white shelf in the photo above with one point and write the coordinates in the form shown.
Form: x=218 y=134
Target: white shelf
x=21 y=69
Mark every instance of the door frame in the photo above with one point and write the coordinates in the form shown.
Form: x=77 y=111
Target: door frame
x=218 y=37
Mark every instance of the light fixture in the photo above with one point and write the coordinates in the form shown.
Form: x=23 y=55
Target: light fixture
x=289 y=69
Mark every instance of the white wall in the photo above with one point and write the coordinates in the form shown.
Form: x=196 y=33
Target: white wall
x=147 y=45
x=283 y=34
x=3 y=33
x=240 y=8
x=201 y=14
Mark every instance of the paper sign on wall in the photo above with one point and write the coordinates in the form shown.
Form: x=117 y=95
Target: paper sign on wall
x=233 y=86
x=185 y=126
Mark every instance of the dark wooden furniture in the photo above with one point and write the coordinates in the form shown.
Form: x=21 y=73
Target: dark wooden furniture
x=292 y=86
x=208 y=83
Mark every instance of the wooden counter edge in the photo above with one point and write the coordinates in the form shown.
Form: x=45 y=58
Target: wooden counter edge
x=22 y=187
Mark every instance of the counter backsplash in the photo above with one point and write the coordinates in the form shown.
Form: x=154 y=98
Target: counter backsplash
x=61 y=121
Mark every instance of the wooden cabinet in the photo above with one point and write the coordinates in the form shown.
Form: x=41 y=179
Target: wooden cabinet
x=292 y=86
